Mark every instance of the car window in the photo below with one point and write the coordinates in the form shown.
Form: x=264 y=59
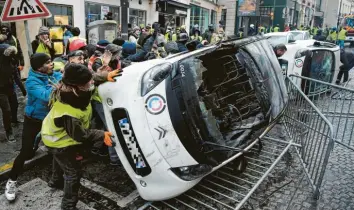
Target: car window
x=275 y=40
x=307 y=36
x=297 y=35
x=322 y=65
x=291 y=37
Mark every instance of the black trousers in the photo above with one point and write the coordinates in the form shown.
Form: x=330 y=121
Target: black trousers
x=14 y=106
x=31 y=127
x=340 y=75
x=66 y=168
x=6 y=112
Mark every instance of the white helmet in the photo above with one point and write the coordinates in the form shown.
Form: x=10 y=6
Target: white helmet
x=252 y=25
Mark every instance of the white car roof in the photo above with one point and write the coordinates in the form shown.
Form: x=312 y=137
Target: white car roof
x=303 y=32
x=293 y=48
x=277 y=34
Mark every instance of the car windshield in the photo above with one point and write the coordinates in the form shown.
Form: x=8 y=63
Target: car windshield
x=275 y=40
x=298 y=35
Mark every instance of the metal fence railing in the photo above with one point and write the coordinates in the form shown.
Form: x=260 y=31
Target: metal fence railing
x=336 y=103
x=307 y=126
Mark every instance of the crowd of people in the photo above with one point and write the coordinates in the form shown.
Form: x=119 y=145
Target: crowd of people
x=62 y=97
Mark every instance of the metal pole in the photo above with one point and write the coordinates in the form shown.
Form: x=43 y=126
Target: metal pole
x=236 y=19
x=340 y=11
x=273 y=13
x=294 y=18
x=28 y=39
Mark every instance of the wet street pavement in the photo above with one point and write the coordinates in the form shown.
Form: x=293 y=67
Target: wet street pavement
x=109 y=187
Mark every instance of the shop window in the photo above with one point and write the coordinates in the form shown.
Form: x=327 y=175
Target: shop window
x=61 y=15
x=199 y=16
x=96 y=11
x=137 y=17
x=213 y=17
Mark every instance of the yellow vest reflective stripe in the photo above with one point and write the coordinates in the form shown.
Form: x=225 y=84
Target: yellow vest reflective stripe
x=57 y=137
x=42 y=49
x=341 y=35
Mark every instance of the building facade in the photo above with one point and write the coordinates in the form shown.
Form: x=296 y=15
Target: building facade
x=333 y=11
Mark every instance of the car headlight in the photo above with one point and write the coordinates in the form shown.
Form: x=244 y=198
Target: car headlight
x=189 y=173
x=154 y=76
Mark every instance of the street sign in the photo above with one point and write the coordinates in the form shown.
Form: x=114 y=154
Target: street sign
x=19 y=10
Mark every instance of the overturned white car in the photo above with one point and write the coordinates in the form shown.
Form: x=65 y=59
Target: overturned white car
x=175 y=120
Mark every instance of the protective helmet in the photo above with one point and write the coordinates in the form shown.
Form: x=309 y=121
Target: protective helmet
x=77 y=44
x=252 y=25
x=183 y=37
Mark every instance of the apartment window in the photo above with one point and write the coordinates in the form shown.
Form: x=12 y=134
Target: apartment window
x=213 y=17
x=199 y=16
x=61 y=15
x=95 y=11
x=137 y=17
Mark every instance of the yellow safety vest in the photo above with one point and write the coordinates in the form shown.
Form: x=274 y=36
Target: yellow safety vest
x=241 y=34
x=174 y=37
x=57 y=137
x=276 y=29
x=198 y=38
x=333 y=36
x=42 y=48
x=342 y=35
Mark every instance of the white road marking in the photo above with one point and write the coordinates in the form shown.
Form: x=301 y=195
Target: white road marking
x=121 y=201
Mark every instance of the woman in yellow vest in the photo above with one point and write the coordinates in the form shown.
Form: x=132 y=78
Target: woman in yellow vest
x=66 y=128
x=43 y=44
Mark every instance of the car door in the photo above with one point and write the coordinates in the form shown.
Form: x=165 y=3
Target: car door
x=318 y=65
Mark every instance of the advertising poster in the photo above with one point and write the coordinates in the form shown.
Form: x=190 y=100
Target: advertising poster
x=247 y=8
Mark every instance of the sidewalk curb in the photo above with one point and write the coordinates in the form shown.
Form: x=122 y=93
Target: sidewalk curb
x=28 y=164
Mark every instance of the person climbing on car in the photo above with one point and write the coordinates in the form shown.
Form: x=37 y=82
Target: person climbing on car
x=347 y=59
x=280 y=50
x=70 y=116
x=109 y=61
x=39 y=83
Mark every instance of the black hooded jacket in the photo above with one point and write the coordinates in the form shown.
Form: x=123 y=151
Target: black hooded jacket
x=13 y=41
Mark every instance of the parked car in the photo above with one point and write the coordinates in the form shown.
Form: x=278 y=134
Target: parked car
x=313 y=59
x=280 y=38
x=301 y=35
x=175 y=120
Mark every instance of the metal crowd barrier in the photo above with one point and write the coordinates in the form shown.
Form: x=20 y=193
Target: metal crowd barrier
x=308 y=131
x=336 y=103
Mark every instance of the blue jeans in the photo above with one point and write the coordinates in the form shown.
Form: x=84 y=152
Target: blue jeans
x=98 y=108
x=341 y=44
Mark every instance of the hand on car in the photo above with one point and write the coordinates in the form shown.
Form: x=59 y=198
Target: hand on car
x=107 y=139
x=112 y=74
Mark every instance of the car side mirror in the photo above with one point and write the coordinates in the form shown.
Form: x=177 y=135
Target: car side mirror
x=292 y=41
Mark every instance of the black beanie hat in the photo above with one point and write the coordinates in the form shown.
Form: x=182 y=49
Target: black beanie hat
x=76 y=75
x=38 y=60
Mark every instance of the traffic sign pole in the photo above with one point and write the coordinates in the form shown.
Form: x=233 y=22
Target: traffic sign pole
x=28 y=39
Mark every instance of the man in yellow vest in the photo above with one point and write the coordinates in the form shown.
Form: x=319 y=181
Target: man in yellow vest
x=197 y=36
x=176 y=34
x=332 y=37
x=43 y=44
x=342 y=35
x=66 y=128
x=276 y=28
x=76 y=33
